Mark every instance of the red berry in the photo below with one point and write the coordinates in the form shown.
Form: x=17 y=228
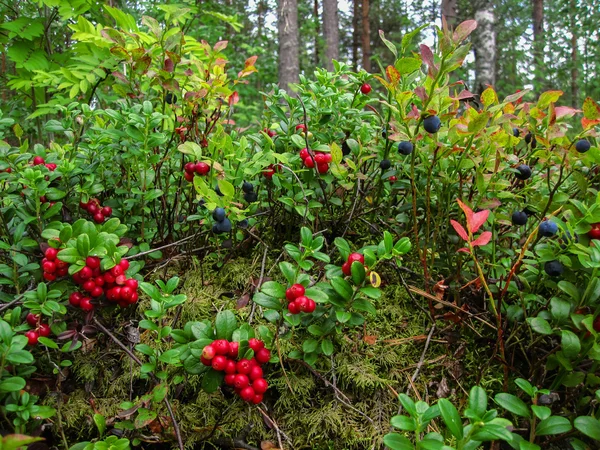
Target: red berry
x=61 y=264
x=92 y=262
x=75 y=298
x=221 y=346
x=257 y=399
x=113 y=294
x=124 y=263
x=241 y=381
x=132 y=284
x=209 y=352
x=32 y=319
x=109 y=278
x=44 y=330
x=33 y=336
x=594 y=233
x=93 y=208
x=230 y=367
x=392 y=179
x=597 y=324
x=86 y=304
x=247 y=394
x=310 y=306
x=309 y=162
x=255 y=344
x=293 y=292
x=206 y=362
x=293 y=308
x=365 y=88
x=134 y=298
x=328 y=157
x=117 y=270
x=51 y=166
x=97 y=292
x=89 y=285
x=356 y=257
x=320 y=158
x=202 y=168
x=219 y=362
x=243 y=366
x=49 y=276
x=269 y=172
x=229 y=379
x=83 y=205
x=85 y=273
x=255 y=373
x=301 y=127
x=49 y=267
x=304 y=153
x=234 y=349
x=62 y=272
x=301 y=303
x=188 y=176
x=323 y=168
x=99 y=281
x=260 y=386
x=126 y=293
x=121 y=279
x=99 y=217
x=346 y=268
x=190 y=167
x=263 y=356
x=37 y=160
x=51 y=253
x=43 y=199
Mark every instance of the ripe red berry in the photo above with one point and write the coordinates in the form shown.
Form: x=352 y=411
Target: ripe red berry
x=301 y=303
x=92 y=262
x=230 y=367
x=269 y=172
x=202 y=168
x=32 y=319
x=219 y=362
x=234 y=349
x=85 y=273
x=320 y=158
x=293 y=308
x=255 y=344
x=365 y=88
x=206 y=362
x=49 y=276
x=44 y=330
x=134 y=298
x=346 y=268
x=75 y=298
x=190 y=167
x=594 y=233
x=99 y=217
x=120 y=280
x=241 y=381
x=97 y=292
x=255 y=373
x=43 y=199
x=356 y=257
x=229 y=379
x=86 y=304
x=113 y=294
x=188 y=176
x=260 y=386
x=62 y=272
x=221 y=346
x=304 y=153
x=51 y=166
x=109 y=278
x=116 y=271
x=328 y=157
x=49 y=267
x=295 y=291
x=310 y=306
x=263 y=356
x=301 y=127
x=132 y=283
x=309 y=162
x=257 y=399
x=209 y=352
x=392 y=179
x=32 y=338
x=37 y=160
x=84 y=205
x=89 y=285
x=51 y=253
x=597 y=324
x=323 y=168
x=243 y=366
x=92 y=208
x=61 y=264
x=99 y=281
x=124 y=263
x=247 y=394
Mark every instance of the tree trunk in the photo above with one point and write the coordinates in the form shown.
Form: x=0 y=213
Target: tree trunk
x=538 y=43
x=331 y=32
x=317 y=31
x=449 y=12
x=485 y=46
x=289 y=62
x=366 y=36
x=355 y=33
x=574 y=67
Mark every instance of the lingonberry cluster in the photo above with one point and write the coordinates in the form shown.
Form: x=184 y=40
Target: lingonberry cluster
x=113 y=284
x=99 y=213
x=244 y=375
x=53 y=267
x=38 y=161
x=297 y=301
x=309 y=159
x=193 y=168
x=347 y=266
x=41 y=329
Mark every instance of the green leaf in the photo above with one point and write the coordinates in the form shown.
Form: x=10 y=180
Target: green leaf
x=12 y=384
x=478 y=401
x=541 y=412
x=288 y=271
x=371 y=292
x=343 y=247
x=225 y=324
x=570 y=344
x=553 y=425
x=266 y=301
x=48 y=342
x=408 y=404
x=451 y=418
x=396 y=441
x=212 y=380
x=513 y=404
x=327 y=347
x=100 y=422
x=273 y=289
x=404 y=423
x=306 y=237
x=342 y=287
x=525 y=386
x=492 y=432
x=358 y=273
x=589 y=426
x=310 y=345
x=540 y=326
x=83 y=245
x=170 y=356
x=362 y=304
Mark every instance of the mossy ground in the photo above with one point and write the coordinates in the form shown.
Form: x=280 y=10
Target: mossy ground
x=370 y=364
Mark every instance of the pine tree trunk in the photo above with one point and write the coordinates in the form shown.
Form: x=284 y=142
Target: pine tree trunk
x=355 y=33
x=485 y=46
x=287 y=24
x=331 y=32
x=317 y=31
x=574 y=67
x=449 y=12
x=538 y=43
x=366 y=36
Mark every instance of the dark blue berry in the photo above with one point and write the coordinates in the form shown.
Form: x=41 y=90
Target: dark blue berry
x=432 y=124
x=405 y=147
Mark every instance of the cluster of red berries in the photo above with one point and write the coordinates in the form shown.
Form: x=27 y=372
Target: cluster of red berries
x=270 y=132
x=321 y=159
x=347 y=266
x=245 y=375
x=297 y=301
x=38 y=161
x=270 y=171
x=41 y=329
x=193 y=168
x=52 y=266
x=99 y=213
x=113 y=283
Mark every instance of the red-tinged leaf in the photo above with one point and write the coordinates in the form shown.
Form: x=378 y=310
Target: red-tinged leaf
x=489 y=97
x=591 y=109
x=468 y=213
x=464 y=250
x=479 y=219
x=565 y=111
x=464 y=95
x=548 y=97
x=393 y=75
x=251 y=61
x=421 y=93
x=516 y=96
x=221 y=45
x=414 y=113
x=427 y=55
x=234 y=98
x=459 y=230
x=169 y=66
x=464 y=30
x=588 y=123
x=483 y=239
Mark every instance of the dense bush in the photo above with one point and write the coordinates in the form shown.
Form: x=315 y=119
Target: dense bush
x=347 y=187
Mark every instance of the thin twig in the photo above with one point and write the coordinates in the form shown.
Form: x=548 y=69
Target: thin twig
x=172 y=244
x=12 y=302
x=277 y=429
x=262 y=274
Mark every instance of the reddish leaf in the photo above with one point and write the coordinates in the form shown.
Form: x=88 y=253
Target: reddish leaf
x=459 y=230
x=464 y=30
x=393 y=75
x=464 y=95
x=250 y=61
x=483 y=239
x=234 y=98
x=427 y=55
x=589 y=123
x=464 y=250
x=421 y=93
x=478 y=220
x=221 y=45
x=468 y=213
x=591 y=109
x=565 y=111
x=169 y=66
